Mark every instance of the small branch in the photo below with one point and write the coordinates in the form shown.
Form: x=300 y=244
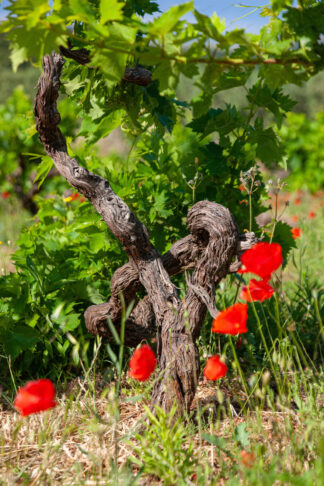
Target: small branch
x=136 y=75
x=82 y=56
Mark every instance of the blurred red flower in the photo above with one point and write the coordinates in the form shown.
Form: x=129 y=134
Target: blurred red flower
x=262 y=259
x=142 y=363
x=5 y=195
x=247 y=458
x=257 y=290
x=297 y=201
x=82 y=199
x=215 y=368
x=35 y=396
x=311 y=215
x=231 y=320
x=296 y=232
x=294 y=218
x=75 y=196
x=241 y=188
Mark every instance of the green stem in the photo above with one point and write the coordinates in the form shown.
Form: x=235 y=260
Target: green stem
x=266 y=347
x=250 y=211
x=239 y=366
x=11 y=374
x=318 y=314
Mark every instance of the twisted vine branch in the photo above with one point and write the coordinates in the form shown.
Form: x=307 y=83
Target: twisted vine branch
x=208 y=250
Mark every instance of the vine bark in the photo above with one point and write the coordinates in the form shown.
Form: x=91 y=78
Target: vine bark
x=208 y=251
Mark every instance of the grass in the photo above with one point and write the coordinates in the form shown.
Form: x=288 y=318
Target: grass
x=261 y=424
x=75 y=442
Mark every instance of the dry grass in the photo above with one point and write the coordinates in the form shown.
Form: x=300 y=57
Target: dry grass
x=75 y=442
x=70 y=444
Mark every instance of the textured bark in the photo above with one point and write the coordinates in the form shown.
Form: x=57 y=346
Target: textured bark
x=182 y=256
x=208 y=252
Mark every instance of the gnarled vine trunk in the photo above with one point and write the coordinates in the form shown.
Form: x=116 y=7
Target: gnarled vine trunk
x=208 y=251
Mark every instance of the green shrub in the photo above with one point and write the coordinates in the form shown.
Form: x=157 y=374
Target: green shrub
x=303 y=139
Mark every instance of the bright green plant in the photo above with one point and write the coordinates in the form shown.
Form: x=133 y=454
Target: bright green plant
x=63 y=263
x=162 y=449
x=303 y=140
x=23 y=164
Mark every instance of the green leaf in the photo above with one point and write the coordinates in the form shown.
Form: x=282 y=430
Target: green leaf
x=94 y=295
x=241 y=435
x=71 y=322
x=201 y=103
x=112 y=64
x=217 y=441
x=167 y=21
x=43 y=169
x=158 y=208
x=94 y=131
x=82 y=10
x=223 y=121
x=18 y=55
x=230 y=79
x=214 y=159
x=283 y=236
x=97 y=242
x=205 y=124
x=268 y=148
x=211 y=26
x=10 y=286
x=273 y=100
x=19 y=339
x=73 y=85
x=110 y=10
x=112 y=354
x=113 y=331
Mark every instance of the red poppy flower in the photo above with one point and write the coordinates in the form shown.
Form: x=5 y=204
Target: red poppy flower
x=5 y=195
x=296 y=232
x=311 y=215
x=35 y=396
x=75 y=196
x=215 y=368
x=294 y=218
x=247 y=458
x=82 y=199
x=297 y=201
x=262 y=259
x=142 y=363
x=231 y=320
x=241 y=188
x=257 y=290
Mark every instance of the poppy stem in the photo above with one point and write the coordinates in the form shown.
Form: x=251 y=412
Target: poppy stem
x=266 y=347
x=11 y=374
x=250 y=210
x=125 y=314
x=243 y=380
